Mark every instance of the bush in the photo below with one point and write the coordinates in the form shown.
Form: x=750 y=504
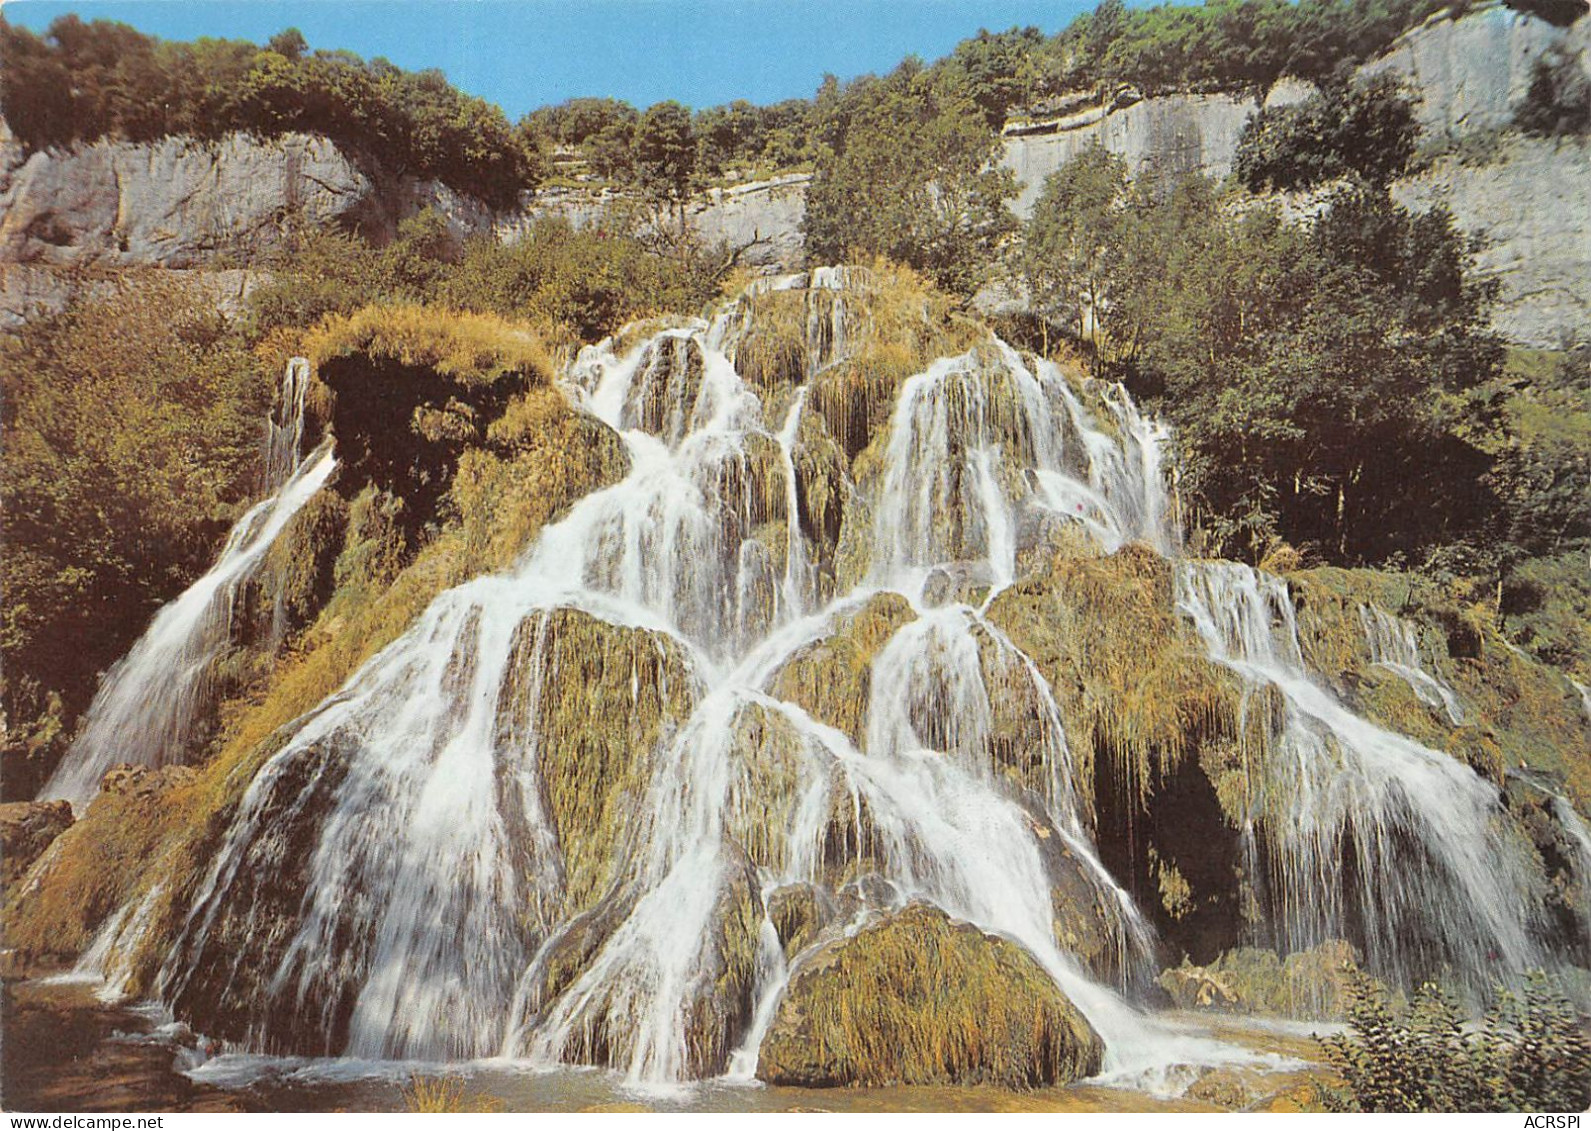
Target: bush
x=591 y=280
x=1558 y=103
x=1364 y=129
x=1528 y=1053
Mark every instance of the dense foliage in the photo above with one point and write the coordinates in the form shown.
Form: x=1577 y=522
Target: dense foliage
x=590 y=281
x=83 y=81
x=1360 y=129
x=1529 y=1053
x=131 y=440
x=1558 y=101
x=1223 y=44
x=906 y=171
x=1325 y=379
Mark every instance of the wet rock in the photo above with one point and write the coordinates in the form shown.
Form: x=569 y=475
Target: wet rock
x=921 y=999
x=95 y=865
x=603 y=1024
x=799 y=912
x=26 y=829
x=596 y=702
x=1310 y=984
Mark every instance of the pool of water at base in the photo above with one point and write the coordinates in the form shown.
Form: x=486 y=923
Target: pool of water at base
x=64 y=1050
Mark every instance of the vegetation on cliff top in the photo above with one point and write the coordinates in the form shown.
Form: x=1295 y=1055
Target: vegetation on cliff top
x=80 y=82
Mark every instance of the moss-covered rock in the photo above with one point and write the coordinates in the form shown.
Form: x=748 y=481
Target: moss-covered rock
x=1516 y=710
x=1311 y=984
x=920 y=999
x=27 y=828
x=831 y=678
x=717 y=1005
x=95 y=866
x=1133 y=686
x=800 y=912
x=595 y=702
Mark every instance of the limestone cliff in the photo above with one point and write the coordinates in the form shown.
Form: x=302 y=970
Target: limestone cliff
x=183 y=203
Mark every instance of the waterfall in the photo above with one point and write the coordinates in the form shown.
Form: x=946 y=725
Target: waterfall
x=284 y=440
x=148 y=703
x=408 y=875
x=1394 y=645
x=1367 y=833
x=1580 y=837
x=435 y=885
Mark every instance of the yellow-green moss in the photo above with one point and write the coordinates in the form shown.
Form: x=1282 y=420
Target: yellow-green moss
x=1132 y=684
x=1517 y=710
x=465 y=346
x=604 y=699
x=918 y=999
x=831 y=679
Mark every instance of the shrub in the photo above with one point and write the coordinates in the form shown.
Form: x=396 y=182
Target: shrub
x=1364 y=129
x=1558 y=103
x=1528 y=1053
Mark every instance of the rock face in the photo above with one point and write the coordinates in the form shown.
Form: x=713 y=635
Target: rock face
x=1172 y=135
x=1532 y=210
x=26 y=829
x=173 y=203
x=764 y=217
x=1470 y=73
x=920 y=999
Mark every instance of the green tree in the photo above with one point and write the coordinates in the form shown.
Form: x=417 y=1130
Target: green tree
x=665 y=153
x=1329 y=383
x=998 y=70
x=1365 y=129
x=906 y=170
x=1070 y=238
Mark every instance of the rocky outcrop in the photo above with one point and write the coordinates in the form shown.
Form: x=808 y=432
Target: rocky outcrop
x=1312 y=984
x=1166 y=136
x=919 y=998
x=763 y=217
x=1469 y=74
x=172 y=203
x=27 y=828
x=1531 y=209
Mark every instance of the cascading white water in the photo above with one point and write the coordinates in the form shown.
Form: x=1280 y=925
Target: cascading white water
x=284 y=440
x=976 y=439
x=147 y=705
x=425 y=810
x=428 y=903
x=1368 y=833
x=1395 y=645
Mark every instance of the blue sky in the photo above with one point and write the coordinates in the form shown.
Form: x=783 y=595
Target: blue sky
x=526 y=53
